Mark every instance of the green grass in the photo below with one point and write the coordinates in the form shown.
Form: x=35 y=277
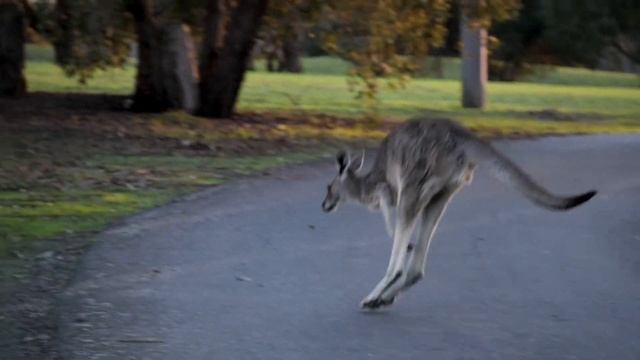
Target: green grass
x=328 y=94
x=45 y=76
x=512 y=107
x=322 y=89
x=325 y=65
x=198 y=170
x=37 y=215
x=28 y=216
x=586 y=77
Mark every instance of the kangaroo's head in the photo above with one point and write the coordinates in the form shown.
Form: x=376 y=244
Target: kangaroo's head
x=343 y=186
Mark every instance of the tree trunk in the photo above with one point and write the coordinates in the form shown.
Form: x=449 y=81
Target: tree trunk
x=474 y=66
x=225 y=53
x=63 y=41
x=271 y=58
x=166 y=72
x=212 y=40
x=12 y=32
x=148 y=95
x=271 y=50
x=291 y=60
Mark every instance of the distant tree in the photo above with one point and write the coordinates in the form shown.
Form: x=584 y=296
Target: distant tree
x=625 y=36
x=577 y=31
x=12 y=38
x=95 y=35
x=386 y=38
x=91 y=35
x=285 y=27
x=40 y=15
x=268 y=46
x=451 y=43
x=519 y=43
x=291 y=60
x=390 y=38
x=281 y=35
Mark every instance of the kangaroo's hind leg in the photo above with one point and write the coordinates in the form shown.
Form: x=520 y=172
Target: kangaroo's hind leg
x=414 y=266
x=430 y=218
x=407 y=214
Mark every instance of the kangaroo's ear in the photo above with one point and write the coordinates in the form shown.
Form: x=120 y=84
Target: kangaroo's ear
x=356 y=163
x=343 y=161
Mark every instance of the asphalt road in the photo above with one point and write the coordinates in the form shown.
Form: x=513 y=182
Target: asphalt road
x=255 y=270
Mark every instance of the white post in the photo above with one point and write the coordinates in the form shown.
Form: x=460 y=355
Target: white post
x=474 y=65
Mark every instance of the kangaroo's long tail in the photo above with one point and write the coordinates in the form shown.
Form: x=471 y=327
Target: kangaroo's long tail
x=506 y=171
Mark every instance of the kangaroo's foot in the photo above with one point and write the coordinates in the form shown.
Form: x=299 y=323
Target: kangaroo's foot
x=409 y=277
x=377 y=303
x=374 y=299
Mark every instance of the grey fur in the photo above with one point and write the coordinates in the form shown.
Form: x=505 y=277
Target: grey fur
x=418 y=169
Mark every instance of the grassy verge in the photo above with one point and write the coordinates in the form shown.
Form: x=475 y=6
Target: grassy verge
x=91 y=194
x=558 y=101
x=69 y=169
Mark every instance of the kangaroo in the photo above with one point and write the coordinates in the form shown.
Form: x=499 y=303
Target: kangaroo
x=418 y=169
